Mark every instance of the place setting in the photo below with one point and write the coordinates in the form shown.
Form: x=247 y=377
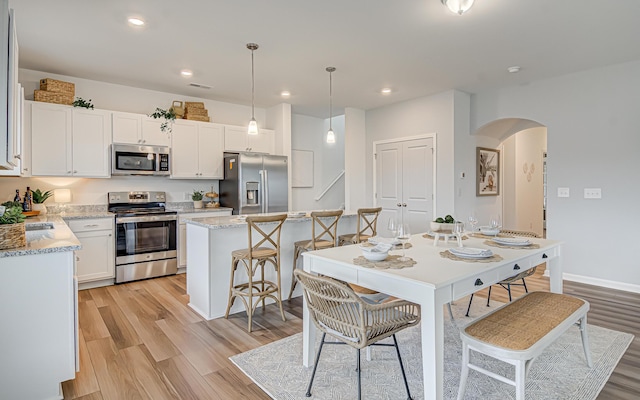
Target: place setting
x=511 y=243
x=470 y=254
x=375 y=252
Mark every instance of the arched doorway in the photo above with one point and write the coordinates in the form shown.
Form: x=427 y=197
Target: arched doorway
x=523 y=145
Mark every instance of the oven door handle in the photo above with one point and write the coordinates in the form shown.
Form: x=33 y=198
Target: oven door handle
x=147 y=218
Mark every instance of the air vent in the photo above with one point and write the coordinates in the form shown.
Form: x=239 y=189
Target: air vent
x=199 y=85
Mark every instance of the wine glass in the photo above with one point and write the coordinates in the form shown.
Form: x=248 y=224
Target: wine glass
x=473 y=221
x=392 y=226
x=494 y=222
x=458 y=230
x=403 y=235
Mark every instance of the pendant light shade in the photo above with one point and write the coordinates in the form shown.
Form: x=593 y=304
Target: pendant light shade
x=253 y=125
x=458 y=6
x=331 y=137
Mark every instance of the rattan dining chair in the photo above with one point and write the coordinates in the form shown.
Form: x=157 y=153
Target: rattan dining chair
x=338 y=311
x=512 y=281
x=264 y=247
x=365 y=227
x=324 y=234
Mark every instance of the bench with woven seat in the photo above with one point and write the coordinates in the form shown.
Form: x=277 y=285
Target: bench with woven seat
x=519 y=331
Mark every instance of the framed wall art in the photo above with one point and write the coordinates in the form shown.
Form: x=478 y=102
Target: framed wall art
x=487 y=172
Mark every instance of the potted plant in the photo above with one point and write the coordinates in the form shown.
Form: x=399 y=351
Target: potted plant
x=168 y=115
x=12 y=229
x=196 y=196
x=39 y=198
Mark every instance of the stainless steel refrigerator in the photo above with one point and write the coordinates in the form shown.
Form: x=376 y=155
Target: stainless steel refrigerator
x=254 y=183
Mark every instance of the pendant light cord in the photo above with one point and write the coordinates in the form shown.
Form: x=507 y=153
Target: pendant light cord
x=253 y=85
x=330 y=100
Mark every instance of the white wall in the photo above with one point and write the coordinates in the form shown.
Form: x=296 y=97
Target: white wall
x=425 y=115
x=355 y=139
x=309 y=133
x=592 y=122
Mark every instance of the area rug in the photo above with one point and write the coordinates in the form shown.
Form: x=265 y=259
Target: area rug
x=559 y=373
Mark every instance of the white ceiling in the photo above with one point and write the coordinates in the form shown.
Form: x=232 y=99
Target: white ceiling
x=416 y=47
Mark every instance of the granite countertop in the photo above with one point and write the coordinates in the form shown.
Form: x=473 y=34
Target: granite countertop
x=235 y=221
x=199 y=210
x=42 y=241
x=84 y=215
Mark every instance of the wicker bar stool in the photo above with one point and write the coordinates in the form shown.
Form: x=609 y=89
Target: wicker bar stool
x=327 y=228
x=264 y=247
x=512 y=281
x=336 y=310
x=365 y=228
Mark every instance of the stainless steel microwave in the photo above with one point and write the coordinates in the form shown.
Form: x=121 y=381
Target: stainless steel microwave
x=132 y=159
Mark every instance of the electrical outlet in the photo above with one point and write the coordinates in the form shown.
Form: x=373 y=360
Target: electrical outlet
x=187 y=196
x=592 y=193
x=563 y=192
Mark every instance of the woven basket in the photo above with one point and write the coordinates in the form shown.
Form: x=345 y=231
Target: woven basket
x=197 y=118
x=53 y=97
x=193 y=104
x=197 y=111
x=12 y=236
x=52 y=85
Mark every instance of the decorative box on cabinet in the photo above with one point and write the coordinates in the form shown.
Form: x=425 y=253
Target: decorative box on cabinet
x=237 y=139
x=69 y=142
x=197 y=150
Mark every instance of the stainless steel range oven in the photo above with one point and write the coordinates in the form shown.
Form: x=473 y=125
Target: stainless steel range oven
x=145 y=235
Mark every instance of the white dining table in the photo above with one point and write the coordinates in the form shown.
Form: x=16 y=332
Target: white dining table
x=432 y=282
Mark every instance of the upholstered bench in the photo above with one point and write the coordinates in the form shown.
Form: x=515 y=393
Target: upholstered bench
x=519 y=331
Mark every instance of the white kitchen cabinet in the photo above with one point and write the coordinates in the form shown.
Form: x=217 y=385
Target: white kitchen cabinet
x=182 y=231
x=96 y=260
x=197 y=150
x=138 y=129
x=237 y=139
x=69 y=142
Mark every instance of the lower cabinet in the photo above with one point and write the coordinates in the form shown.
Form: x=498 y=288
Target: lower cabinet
x=96 y=260
x=182 y=231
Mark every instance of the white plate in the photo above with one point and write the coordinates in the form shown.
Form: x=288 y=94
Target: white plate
x=489 y=231
x=512 y=241
x=470 y=252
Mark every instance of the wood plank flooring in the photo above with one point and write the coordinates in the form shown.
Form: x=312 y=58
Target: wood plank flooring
x=140 y=341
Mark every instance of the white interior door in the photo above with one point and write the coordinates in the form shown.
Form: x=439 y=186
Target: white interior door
x=404 y=183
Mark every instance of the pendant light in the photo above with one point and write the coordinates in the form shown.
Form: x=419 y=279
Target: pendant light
x=458 y=6
x=331 y=137
x=253 y=125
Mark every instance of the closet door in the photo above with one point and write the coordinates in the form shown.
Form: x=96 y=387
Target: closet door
x=404 y=182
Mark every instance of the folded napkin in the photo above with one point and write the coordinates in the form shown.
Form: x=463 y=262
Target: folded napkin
x=470 y=251
x=507 y=240
x=380 y=239
x=379 y=248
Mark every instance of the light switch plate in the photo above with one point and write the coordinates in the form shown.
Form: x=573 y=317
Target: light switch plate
x=592 y=193
x=563 y=192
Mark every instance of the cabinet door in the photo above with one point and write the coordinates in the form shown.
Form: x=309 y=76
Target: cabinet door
x=263 y=142
x=151 y=133
x=184 y=150
x=96 y=259
x=90 y=143
x=235 y=138
x=210 y=151
x=126 y=128
x=50 y=140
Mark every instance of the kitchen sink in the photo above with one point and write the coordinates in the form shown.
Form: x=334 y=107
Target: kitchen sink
x=39 y=226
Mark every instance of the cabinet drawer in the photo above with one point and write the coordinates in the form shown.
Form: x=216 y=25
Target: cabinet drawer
x=94 y=224
x=473 y=284
x=514 y=268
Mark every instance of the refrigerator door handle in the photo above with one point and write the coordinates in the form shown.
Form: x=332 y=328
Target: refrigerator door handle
x=265 y=191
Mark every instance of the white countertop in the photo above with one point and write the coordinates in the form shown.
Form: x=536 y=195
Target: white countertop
x=58 y=239
x=234 y=221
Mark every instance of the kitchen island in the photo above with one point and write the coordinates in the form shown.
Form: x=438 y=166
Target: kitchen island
x=211 y=241
x=39 y=297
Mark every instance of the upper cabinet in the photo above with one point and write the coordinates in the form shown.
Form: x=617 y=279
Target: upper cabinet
x=138 y=129
x=196 y=150
x=237 y=139
x=10 y=100
x=68 y=141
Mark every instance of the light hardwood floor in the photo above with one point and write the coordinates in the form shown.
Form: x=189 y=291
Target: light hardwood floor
x=140 y=341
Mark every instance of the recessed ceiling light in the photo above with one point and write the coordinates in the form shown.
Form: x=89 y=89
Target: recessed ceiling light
x=136 y=21
x=186 y=73
x=285 y=93
x=386 y=91
x=514 y=70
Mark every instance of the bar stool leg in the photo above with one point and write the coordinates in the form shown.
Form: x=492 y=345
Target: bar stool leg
x=294 y=281
x=234 y=265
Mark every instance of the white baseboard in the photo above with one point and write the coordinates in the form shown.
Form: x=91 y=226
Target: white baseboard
x=627 y=287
